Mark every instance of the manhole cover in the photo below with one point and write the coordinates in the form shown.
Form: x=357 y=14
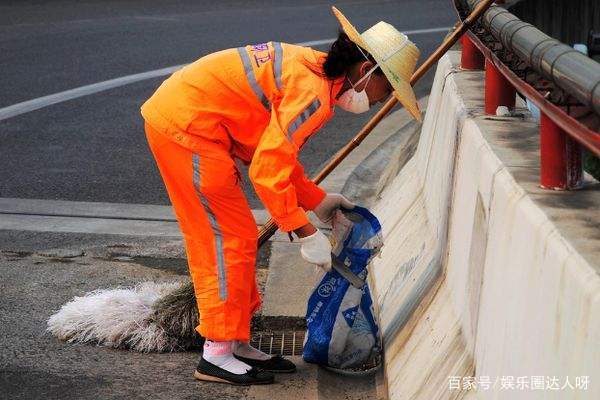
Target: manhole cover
x=286 y=343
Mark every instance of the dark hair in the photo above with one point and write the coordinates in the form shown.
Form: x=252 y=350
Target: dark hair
x=344 y=54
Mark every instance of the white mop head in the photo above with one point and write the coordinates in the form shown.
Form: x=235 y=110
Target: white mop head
x=116 y=318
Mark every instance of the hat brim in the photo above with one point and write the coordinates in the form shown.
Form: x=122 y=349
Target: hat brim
x=402 y=89
x=348 y=29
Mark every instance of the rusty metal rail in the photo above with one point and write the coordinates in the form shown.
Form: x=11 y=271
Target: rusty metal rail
x=500 y=42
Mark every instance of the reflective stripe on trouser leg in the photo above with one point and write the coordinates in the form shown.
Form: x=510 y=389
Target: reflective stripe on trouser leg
x=215 y=227
x=227 y=319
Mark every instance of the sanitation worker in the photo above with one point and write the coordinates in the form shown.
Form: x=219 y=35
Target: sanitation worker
x=258 y=104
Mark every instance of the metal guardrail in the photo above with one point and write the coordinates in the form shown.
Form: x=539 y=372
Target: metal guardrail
x=517 y=42
x=569 y=69
x=569 y=21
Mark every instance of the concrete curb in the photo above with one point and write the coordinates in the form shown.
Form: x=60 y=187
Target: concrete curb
x=369 y=178
x=55 y=216
x=382 y=132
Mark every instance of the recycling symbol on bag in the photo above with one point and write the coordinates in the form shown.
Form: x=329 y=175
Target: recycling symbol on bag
x=325 y=289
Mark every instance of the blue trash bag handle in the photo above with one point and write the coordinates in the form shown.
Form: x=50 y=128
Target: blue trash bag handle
x=366 y=214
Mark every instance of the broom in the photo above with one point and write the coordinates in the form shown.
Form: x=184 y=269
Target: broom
x=176 y=312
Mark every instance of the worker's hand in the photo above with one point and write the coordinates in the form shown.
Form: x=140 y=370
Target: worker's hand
x=332 y=202
x=316 y=249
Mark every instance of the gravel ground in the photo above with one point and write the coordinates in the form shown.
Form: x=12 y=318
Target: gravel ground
x=34 y=364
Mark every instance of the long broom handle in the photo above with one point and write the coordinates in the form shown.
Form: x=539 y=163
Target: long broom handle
x=270 y=227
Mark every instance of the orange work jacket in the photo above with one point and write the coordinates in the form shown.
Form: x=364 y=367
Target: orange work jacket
x=262 y=102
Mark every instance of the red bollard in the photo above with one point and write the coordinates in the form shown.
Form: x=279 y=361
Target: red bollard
x=470 y=57
x=560 y=158
x=498 y=91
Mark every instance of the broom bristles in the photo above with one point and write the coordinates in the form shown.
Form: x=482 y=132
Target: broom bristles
x=149 y=317
x=177 y=313
x=119 y=318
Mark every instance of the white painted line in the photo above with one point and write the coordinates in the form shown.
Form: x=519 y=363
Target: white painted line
x=316 y=42
x=428 y=30
x=41 y=102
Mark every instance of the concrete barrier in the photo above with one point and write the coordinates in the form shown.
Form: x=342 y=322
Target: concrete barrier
x=485 y=281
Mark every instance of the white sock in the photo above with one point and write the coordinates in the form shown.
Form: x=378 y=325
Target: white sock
x=244 y=349
x=221 y=355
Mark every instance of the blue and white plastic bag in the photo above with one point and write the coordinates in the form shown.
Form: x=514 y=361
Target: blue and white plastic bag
x=341 y=329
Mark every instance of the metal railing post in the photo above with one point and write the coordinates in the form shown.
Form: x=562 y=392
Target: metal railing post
x=470 y=57
x=560 y=158
x=498 y=91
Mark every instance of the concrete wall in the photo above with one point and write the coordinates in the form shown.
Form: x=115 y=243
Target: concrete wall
x=478 y=278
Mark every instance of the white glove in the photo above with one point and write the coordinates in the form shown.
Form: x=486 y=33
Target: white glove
x=316 y=249
x=332 y=202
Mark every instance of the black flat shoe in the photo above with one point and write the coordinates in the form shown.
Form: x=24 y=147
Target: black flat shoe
x=210 y=372
x=274 y=364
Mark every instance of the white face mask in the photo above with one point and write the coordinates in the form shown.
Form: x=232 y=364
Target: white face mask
x=354 y=101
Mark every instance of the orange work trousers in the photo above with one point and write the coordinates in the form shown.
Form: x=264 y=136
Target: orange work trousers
x=219 y=231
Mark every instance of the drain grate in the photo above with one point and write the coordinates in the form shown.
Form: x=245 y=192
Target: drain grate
x=286 y=343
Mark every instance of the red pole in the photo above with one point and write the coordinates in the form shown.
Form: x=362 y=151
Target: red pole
x=470 y=57
x=560 y=158
x=498 y=91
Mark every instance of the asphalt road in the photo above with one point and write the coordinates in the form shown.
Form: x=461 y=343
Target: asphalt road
x=93 y=148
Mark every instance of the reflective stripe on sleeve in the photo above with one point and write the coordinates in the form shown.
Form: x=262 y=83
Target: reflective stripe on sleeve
x=252 y=79
x=278 y=63
x=308 y=111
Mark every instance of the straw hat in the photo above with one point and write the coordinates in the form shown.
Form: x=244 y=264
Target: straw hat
x=395 y=54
